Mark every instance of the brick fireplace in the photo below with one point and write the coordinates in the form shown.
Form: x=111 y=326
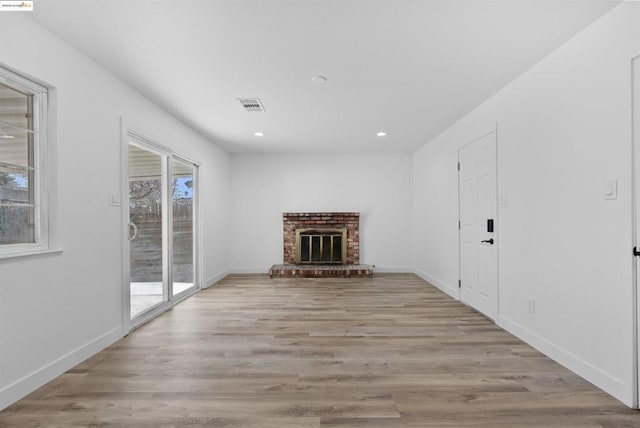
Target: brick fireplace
x=319 y=227
x=319 y=221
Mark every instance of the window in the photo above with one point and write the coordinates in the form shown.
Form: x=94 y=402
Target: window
x=23 y=213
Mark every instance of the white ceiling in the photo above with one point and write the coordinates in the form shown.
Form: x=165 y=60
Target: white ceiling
x=408 y=67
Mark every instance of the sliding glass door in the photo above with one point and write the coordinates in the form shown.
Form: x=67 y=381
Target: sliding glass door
x=182 y=218
x=147 y=237
x=162 y=228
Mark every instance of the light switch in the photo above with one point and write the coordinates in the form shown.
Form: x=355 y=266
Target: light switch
x=611 y=189
x=503 y=201
x=114 y=199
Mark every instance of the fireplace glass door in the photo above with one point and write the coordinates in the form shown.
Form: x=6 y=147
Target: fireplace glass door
x=321 y=246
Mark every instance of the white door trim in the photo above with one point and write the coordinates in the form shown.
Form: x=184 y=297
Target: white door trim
x=635 y=206
x=124 y=227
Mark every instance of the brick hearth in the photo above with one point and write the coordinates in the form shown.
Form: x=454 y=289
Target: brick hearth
x=320 y=271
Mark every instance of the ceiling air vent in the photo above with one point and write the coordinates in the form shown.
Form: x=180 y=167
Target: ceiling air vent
x=251 y=104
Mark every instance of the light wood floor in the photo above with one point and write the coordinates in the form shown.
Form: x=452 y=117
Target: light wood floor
x=385 y=352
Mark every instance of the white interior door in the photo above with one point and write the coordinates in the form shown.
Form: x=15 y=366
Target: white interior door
x=478 y=226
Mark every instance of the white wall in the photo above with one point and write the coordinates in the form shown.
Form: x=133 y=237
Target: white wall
x=563 y=128
x=57 y=310
x=376 y=185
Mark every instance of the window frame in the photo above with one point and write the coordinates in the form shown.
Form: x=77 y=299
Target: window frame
x=41 y=183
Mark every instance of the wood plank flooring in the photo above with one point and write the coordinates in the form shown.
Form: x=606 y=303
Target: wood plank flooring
x=386 y=352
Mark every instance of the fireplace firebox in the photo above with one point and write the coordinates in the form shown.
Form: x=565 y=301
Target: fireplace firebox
x=321 y=246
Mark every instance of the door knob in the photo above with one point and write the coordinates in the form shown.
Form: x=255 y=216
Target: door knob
x=488 y=241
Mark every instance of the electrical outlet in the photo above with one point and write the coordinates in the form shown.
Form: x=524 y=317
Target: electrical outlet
x=532 y=305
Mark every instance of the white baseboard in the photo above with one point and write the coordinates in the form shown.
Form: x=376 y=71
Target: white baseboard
x=393 y=269
x=29 y=383
x=451 y=291
x=608 y=383
x=215 y=278
x=379 y=269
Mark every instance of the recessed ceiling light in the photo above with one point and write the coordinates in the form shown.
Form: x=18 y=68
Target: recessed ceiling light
x=318 y=80
x=258 y=134
x=381 y=134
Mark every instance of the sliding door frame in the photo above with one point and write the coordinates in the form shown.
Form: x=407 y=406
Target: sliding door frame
x=147 y=142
